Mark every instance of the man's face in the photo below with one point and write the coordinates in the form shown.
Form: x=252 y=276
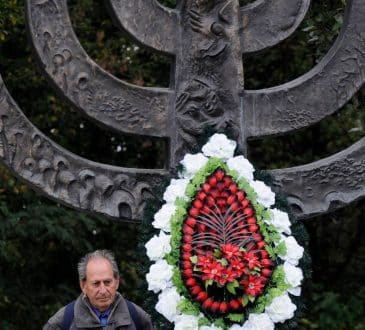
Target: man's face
x=100 y=285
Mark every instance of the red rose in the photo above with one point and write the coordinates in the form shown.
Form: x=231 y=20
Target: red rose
x=187 y=230
x=207 y=304
x=215 y=306
x=219 y=174
x=227 y=181
x=202 y=296
x=240 y=195
x=267 y=263
x=266 y=272
x=233 y=188
x=201 y=195
x=251 y=221
x=186 y=247
x=190 y=281
x=187 y=273
x=223 y=307
x=244 y=203
x=195 y=290
x=206 y=187
x=194 y=212
x=198 y=203
x=234 y=304
x=212 y=181
x=190 y=221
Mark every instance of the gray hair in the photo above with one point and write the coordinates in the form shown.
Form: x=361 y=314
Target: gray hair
x=104 y=254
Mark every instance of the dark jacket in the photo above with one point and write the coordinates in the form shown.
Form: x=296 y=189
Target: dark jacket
x=85 y=318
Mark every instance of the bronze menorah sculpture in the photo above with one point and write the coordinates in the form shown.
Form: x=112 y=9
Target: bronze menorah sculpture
x=208 y=39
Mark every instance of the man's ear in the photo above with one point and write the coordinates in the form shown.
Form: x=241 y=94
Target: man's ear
x=82 y=286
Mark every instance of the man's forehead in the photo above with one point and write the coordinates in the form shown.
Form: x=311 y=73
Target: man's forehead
x=99 y=266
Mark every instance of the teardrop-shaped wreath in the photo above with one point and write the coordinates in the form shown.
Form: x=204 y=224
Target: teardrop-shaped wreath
x=224 y=257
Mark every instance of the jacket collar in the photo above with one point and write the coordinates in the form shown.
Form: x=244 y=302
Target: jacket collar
x=85 y=317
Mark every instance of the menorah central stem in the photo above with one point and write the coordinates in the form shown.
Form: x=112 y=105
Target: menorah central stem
x=208 y=75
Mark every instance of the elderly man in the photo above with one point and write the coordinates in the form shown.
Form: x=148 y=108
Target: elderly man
x=99 y=306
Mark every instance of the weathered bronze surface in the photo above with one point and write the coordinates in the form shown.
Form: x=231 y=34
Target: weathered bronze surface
x=207 y=39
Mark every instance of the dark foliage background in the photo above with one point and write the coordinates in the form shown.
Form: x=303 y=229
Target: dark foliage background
x=41 y=242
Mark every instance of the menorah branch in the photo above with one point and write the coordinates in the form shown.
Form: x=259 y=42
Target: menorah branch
x=103 y=98
x=266 y=23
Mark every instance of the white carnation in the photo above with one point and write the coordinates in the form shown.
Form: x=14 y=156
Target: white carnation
x=159 y=276
x=295 y=291
x=167 y=303
x=264 y=194
x=176 y=189
x=219 y=146
x=281 y=221
x=212 y=327
x=236 y=327
x=186 y=322
x=242 y=166
x=258 y=322
x=158 y=246
x=293 y=276
x=163 y=216
x=192 y=164
x=293 y=250
x=281 y=309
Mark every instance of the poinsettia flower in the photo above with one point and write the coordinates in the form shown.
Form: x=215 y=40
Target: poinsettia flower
x=237 y=266
x=158 y=246
x=258 y=322
x=253 y=285
x=264 y=194
x=212 y=271
x=163 y=216
x=281 y=309
x=192 y=164
x=219 y=146
x=204 y=261
x=176 y=189
x=229 y=251
x=251 y=259
x=226 y=276
x=167 y=303
x=242 y=166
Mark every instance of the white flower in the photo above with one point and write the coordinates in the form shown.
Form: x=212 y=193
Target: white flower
x=258 y=322
x=158 y=246
x=281 y=309
x=176 y=189
x=167 y=303
x=264 y=194
x=219 y=146
x=236 y=327
x=192 y=164
x=242 y=166
x=293 y=250
x=159 y=276
x=162 y=217
x=186 y=322
x=212 y=327
x=295 y=291
x=280 y=220
x=293 y=276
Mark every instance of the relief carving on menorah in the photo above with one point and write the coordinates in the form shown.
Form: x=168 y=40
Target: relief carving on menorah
x=208 y=40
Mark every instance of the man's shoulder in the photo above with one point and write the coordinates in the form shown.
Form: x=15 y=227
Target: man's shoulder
x=55 y=322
